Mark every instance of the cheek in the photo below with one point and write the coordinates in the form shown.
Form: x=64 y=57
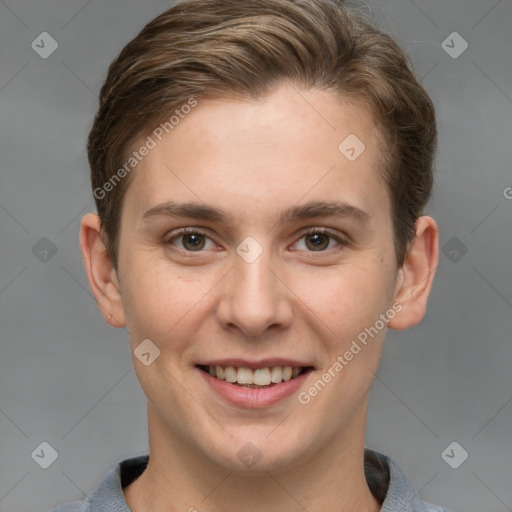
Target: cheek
x=346 y=299
x=157 y=299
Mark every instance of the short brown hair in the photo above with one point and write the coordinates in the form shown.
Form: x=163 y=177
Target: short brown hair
x=245 y=49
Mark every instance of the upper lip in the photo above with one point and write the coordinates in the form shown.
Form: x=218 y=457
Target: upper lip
x=254 y=365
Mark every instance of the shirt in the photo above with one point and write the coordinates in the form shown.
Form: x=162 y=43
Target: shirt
x=385 y=479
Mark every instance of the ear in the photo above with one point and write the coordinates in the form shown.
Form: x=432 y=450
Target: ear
x=416 y=275
x=100 y=271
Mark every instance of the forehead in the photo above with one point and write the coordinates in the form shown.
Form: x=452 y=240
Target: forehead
x=254 y=156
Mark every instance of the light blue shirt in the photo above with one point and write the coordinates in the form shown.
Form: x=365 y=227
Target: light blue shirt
x=386 y=480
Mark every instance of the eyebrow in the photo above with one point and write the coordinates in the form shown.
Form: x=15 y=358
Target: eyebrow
x=311 y=210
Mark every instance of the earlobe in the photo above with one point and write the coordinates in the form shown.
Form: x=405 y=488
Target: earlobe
x=100 y=271
x=414 y=280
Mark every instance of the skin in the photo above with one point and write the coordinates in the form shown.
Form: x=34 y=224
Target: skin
x=253 y=160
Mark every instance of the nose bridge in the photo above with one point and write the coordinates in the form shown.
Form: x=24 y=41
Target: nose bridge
x=251 y=267
x=253 y=299
x=253 y=279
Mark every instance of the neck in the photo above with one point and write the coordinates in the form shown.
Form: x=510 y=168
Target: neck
x=179 y=478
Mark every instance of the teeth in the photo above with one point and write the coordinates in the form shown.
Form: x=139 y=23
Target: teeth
x=230 y=374
x=261 y=376
x=276 y=375
x=244 y=376
x=253 y=378
x=287 y=373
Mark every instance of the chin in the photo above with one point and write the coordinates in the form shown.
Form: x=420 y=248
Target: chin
x=256 y=454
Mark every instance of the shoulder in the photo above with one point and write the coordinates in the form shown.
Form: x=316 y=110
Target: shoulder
x=389 y=483
x=109 y=493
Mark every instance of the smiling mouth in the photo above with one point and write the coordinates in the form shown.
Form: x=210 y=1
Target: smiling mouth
x=255 y=379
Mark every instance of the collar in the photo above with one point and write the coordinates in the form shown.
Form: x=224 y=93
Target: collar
x=385 y=478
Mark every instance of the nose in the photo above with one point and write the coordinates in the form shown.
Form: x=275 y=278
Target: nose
x=254 y=299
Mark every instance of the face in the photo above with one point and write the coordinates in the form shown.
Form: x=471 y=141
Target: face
x=248 y=239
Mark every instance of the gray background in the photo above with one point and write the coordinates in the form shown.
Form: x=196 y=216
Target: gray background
x=66 y=377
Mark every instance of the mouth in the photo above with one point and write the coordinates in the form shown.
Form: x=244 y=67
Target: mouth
x=254 y=378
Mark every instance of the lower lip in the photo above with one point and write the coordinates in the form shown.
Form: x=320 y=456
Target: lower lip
x=253 y=397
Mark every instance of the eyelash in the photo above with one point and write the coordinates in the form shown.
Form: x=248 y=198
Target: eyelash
x=309 y=232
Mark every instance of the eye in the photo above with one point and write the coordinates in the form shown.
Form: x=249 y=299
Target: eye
x=191 y=240
x=319 y=240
